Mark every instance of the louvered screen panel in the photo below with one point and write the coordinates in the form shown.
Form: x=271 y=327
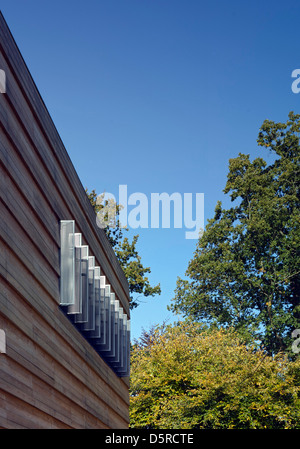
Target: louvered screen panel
x=82 y=268
x=104 y=343
x=76 y=307
x=96 y=332
x=67 y=262
x=89 y=325
x=90 y=304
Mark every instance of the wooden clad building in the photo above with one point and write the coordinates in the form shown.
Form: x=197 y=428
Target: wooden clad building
x=55 y=372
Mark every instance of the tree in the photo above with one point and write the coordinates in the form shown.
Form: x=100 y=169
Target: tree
x=186 y=376
x=245 y=271
x=125 y=250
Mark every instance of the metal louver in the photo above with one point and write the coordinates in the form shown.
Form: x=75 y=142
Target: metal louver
x=89 y=303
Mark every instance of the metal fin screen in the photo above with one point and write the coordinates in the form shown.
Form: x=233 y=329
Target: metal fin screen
x=89 y=303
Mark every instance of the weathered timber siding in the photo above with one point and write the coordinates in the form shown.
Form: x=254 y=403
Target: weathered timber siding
x=50 y=377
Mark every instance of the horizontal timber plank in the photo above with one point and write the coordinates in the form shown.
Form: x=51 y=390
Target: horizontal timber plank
x=13 y=162
x=25 y=384
x=25 y=249
x=50 y=376
x=18 y=204
x=47 y=400
x=66 y=332
x=69 y=187
x=21 y=415
x=100 y=379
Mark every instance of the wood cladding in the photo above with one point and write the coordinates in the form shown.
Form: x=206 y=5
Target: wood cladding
x=50 y=376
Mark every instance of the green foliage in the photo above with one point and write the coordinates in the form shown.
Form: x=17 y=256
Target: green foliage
x=125 y=251
x=245 y=272
x=187 y=376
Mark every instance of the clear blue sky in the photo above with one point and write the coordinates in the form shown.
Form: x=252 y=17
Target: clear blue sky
x=158 y=95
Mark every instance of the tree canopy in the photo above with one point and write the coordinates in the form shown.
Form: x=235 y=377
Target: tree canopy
x=187 y=376
x=126 y=251
x=245 y=272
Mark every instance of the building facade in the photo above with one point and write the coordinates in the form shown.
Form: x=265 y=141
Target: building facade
x=64 y=300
